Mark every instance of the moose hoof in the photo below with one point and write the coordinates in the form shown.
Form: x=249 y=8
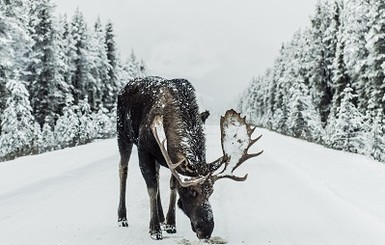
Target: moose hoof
x=171 y=229
x=156 y=235
x=122 y=223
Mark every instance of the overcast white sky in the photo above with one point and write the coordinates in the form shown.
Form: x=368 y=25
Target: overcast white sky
x=219 y=45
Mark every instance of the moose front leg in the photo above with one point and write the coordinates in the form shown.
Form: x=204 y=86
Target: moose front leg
x=158 y=201
x=150 y=172
x=170 y=226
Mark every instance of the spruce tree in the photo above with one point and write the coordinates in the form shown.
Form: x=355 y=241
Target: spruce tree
x=340 y=77
x=355 y=18
x=48 y=138
x=104 y=124
x=87 y=131
x=68 y=57
x=376 y=136
x=320 y=86
x=376 y=58
x=347 y=132
x=14 y=45
x=111 y=86
x=17 y=136
x=67 y=128
x=100 y=67
x=81 y=77
x=46 y=82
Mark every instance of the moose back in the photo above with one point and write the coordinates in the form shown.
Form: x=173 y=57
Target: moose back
x=161 y=117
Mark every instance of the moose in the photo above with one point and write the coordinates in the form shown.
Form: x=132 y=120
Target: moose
x=161 y=117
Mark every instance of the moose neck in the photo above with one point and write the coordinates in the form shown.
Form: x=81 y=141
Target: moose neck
x=184 y=133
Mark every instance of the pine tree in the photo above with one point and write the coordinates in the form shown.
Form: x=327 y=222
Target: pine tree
x=376 y=58
x=376 y=136
x=355 y=18
x=17 y=136
x=87 y=131
x=111 y=86
x=68 y=57
x=82 y=78
x=100 y=66
x=14 y=44
x=340 y=74
x=303 y=121
x=47 y=87
x=320 y=85
x=104 y=124
x=135 y=68
x=48 y=138
x=67 y=128
x=38 y=143
x=347 y=131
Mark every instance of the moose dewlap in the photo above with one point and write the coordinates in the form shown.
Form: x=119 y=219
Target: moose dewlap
x=161 y=117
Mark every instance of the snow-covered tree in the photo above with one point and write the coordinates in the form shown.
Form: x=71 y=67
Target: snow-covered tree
x=319 y=79
x=14 y=44
x=304 y=121
x=135 y=68
x=67 y=56
x=376 y=57
x=100 y=66
x=87 y=131
x=38 y=143
x=48 y=138
x=340 y=77
x=47 y=87
x=17 y=136
x=72 y=75
x=111 y=86
x=333 y=72
x=82 y=77
x=347 y=130
x=67 y=128
x=376 y=137
x=355 y=18
x=104 y=124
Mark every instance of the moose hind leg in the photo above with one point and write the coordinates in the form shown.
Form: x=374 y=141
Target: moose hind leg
x=170 y=226
x=125 y=153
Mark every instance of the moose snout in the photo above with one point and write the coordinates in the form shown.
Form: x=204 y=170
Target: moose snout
x=203 y=235
x=202 y=232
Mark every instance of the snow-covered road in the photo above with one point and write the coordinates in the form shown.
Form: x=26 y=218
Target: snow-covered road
x=296 y=193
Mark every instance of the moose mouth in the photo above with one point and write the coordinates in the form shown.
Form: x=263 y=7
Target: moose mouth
x=200 y=234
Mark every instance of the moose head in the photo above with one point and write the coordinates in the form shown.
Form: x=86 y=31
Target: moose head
x=195 y=185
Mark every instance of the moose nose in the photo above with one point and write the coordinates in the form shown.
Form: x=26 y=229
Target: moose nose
x=202 y=235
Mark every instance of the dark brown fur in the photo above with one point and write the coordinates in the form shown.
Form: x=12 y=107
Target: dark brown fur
x=138 y=103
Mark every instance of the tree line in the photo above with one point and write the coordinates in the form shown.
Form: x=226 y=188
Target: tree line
x=59 y=78
x=327 y=84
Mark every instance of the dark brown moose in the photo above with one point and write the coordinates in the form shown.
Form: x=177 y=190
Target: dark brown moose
x=162 y=119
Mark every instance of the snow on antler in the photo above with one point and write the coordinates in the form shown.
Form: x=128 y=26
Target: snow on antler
x=236 y=141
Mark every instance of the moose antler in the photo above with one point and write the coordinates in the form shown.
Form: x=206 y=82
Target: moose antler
x=160 y=136
x=236 y=141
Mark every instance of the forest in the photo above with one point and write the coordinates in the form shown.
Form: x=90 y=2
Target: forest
x=327 y=83
x=59 y=78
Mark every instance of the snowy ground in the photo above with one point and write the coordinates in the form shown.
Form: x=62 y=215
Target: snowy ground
x=296 y=193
